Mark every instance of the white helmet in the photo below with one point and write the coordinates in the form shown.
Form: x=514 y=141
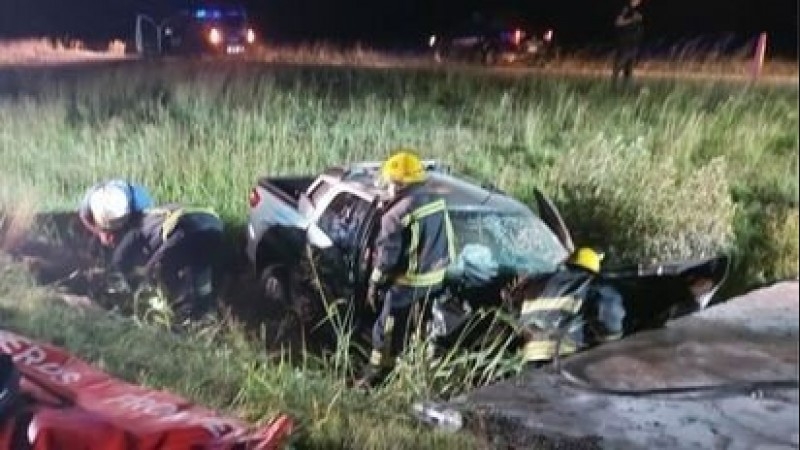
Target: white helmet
x=110 y=206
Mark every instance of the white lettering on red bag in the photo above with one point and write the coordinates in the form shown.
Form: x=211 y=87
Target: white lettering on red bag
x=169 y=412
x=25 y=353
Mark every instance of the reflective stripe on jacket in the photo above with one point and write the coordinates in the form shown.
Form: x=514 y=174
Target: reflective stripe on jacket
x=575 y=310
x=171 y=216
x=415 y=244
x=146 y=242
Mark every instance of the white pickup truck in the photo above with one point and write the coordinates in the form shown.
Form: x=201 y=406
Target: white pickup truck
x=331 y=219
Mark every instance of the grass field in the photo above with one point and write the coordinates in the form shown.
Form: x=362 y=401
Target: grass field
x=667 y=170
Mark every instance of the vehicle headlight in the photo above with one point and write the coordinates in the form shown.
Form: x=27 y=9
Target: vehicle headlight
x=250 y=36
x=432 y=40
x=516 y=37
x=214 y=36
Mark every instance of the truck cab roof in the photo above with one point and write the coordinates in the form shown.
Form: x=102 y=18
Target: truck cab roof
x=460 y=193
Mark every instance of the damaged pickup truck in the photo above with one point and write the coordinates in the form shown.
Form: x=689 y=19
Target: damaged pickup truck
x=310 y=239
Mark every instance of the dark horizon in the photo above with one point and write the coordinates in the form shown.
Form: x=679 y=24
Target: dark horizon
x=406 y=23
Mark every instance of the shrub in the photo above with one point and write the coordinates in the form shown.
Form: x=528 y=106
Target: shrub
x=638 y=206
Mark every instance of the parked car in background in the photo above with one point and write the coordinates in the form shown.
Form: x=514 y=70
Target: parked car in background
x=202 y=28
x=495 y=44
x=209 y=28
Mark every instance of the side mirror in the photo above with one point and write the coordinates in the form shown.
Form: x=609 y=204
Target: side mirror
x=305 y=206
x=318 y=238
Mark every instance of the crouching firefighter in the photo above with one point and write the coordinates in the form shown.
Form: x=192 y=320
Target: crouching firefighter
x=569 y=310
x=172 y=244
x=413 y=248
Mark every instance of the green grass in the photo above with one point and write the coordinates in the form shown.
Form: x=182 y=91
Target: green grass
x=672 y=170
x=221 y=370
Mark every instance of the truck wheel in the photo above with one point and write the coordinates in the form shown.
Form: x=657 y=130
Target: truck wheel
x=275 y=285
x=489 y=57
x=285 y=328
x=439 y=54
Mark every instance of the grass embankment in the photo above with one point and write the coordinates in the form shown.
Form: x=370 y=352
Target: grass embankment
x=669 y=171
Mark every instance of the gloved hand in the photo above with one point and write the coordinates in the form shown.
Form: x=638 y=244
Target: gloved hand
x=117 y=283
x=143 y=273
x=151 y=269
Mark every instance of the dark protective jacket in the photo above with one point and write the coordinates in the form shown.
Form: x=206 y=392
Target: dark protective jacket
x=159 y=230
x=9 y=384
x=573 y=309
x=630 y=34
x=415 y=244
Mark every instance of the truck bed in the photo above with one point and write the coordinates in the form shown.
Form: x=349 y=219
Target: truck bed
x=288 y=189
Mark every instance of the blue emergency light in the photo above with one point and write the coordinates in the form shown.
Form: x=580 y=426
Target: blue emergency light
x=208 y=14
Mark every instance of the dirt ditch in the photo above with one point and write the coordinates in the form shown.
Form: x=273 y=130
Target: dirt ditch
x=60 y=253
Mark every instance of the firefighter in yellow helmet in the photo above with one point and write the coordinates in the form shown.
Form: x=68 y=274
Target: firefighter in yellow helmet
x=570 y=310
x=412 y=250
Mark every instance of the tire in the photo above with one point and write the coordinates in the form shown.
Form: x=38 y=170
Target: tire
x=274 y=282
x=489 y=57
x=439 y=54
x=284 y=329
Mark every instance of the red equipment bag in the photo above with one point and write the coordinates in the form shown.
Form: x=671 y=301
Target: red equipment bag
x=64 y=403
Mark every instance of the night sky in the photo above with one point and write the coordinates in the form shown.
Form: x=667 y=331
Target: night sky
x=577 y=23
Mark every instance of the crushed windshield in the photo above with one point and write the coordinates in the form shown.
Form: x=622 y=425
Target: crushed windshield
x=515 y=241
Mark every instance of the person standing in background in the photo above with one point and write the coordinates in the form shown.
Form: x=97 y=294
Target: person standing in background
x=630 y=29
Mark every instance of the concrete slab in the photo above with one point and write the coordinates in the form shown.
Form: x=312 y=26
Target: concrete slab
x=752 y=338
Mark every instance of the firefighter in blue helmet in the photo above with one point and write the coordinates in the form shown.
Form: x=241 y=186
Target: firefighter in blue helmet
x=570 y=310
x=176 y=245
x=413 y=248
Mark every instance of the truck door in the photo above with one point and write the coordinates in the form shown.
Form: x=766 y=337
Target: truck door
x=340 y=221
x=147 y=36
x=552 y=218
x=362 y=252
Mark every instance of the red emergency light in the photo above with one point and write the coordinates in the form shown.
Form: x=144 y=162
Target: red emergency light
x=254 y=198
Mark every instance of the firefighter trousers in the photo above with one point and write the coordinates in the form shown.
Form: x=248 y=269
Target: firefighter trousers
x=390 y=331
x=188 y=270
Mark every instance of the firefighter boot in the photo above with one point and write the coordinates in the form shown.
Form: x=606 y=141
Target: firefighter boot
x=372 y=376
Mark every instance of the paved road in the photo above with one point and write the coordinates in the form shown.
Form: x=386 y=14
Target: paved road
x=731 y=72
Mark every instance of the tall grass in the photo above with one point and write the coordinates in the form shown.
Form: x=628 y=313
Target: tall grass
x=202 y=133
x=662 y=172
x=221 y=370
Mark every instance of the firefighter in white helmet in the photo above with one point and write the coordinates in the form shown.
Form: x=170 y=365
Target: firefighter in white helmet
x=107 y=205
x=175 y=245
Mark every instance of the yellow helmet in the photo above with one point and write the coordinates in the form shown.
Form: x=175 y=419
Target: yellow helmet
x=403 y=167
x=587 y=258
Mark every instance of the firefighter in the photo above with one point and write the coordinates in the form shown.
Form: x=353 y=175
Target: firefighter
x=9 y=385
x=172 y=244
x=569 y=310
x=413 y=248
x=137 y=199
